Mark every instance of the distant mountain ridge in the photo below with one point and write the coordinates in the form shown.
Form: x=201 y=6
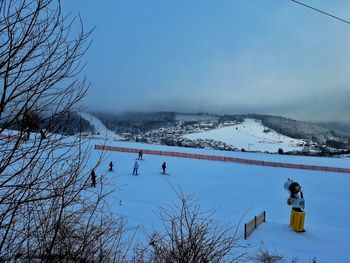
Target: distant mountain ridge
x=69 y=124
x=134 y=122
x=296 y=129
x=340 y=128
x=305 y=130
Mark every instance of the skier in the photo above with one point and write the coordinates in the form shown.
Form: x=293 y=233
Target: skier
x=28 y=133
x=111 y=166
x=43 y=134
x=136 y=167
x=93 y=178
x=164 y=167
x=140 y=155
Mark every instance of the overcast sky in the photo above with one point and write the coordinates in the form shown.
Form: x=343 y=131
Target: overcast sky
x=218 y=56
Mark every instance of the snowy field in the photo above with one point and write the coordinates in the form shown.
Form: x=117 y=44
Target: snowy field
x=237 y=190
x=250 y=135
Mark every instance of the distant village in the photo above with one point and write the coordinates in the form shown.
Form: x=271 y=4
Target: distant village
x=173 y=136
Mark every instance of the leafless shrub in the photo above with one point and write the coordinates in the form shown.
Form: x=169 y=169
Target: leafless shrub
x=265 y=256
x=189 y=236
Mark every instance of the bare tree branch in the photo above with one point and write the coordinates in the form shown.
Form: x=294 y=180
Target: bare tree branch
x=47 y=211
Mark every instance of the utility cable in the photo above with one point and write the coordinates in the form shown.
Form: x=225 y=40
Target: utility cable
x=320 y=11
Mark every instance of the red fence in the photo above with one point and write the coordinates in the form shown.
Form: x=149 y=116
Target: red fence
x=225 y=159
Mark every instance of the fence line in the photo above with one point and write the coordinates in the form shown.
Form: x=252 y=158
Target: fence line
x=226 y=159
x=251 y=225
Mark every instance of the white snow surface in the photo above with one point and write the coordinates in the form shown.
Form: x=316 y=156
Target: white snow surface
x=250 y=135
x=236 y=191
x=99 y=127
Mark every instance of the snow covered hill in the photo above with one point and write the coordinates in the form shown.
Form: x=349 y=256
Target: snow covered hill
x=251 y=135
x=99 y=127
x=236 y=191
x=251 y=132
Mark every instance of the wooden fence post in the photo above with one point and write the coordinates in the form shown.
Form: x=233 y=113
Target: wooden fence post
x=255 y=222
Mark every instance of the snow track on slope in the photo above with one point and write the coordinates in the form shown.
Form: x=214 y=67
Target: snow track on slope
x=99 y=127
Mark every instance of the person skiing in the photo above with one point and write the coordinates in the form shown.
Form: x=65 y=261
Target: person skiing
x=136 y=167
x=140 y=155
x=27 y=130
x=43 y=134
x=164 y=167
x=111 y=166
x=93 y=178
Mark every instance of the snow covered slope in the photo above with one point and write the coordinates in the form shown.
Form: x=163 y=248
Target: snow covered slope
x=251 y=135
x=99 y=127
x=237 y=190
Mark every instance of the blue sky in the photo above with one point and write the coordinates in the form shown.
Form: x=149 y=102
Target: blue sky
x=237 y=56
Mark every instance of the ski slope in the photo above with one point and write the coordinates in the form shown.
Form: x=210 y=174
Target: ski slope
x=250 y=135
x=236 y=191
x=99 y=127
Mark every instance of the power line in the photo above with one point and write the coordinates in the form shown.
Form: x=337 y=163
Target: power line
x=322 y=12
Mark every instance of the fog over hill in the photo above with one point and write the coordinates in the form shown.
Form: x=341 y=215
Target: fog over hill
x=340 y=128
x=136 y=122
